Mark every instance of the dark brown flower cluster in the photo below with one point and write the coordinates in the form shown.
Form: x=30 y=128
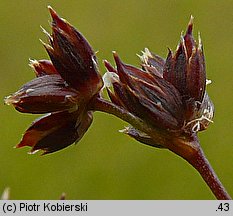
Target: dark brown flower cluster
x=164 y=101
x=168 y=96
x=63 y=87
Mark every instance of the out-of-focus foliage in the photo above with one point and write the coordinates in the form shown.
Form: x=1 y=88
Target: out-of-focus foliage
x=107 y=164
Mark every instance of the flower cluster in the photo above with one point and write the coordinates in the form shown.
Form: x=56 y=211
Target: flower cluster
x=170 y=94
x=62 y=88
x=167 y=95
x=164 y=101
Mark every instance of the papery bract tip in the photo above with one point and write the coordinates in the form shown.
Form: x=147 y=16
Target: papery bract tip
x=53 y=13
x=190 y=25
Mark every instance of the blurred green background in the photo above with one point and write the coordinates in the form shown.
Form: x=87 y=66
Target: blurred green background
x=106 y=164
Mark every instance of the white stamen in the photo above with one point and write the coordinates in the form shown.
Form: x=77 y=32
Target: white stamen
x=109 y=78
x=208 y=82
x=148 y=53
x=196 y=127
x=207 y=115
x=145 y=56
x=140 y=57
x=197 y=103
